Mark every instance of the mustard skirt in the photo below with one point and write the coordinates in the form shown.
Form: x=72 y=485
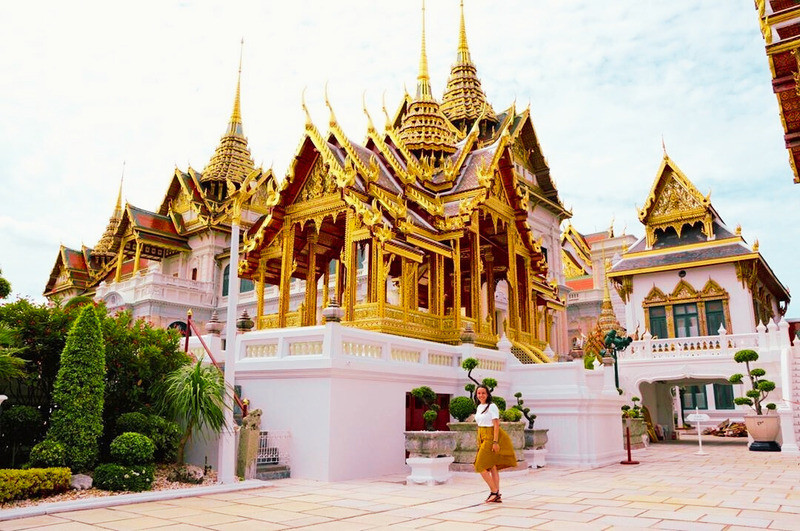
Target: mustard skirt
x=486 y=458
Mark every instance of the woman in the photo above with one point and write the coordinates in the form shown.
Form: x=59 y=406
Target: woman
x=495 y=451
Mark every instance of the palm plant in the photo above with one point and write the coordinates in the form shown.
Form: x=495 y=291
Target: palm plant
x=194 y=395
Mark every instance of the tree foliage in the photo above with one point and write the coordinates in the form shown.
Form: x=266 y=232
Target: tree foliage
x=760 y=388
x=77 y=419
x=5 y=286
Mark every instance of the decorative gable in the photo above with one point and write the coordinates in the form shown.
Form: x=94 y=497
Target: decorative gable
x=674 y=202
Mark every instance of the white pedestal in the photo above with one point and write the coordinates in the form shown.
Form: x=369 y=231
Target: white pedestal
x=535 y=458
x=429 y=470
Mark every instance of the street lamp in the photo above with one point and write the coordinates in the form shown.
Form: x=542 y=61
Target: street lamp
x=3 y=398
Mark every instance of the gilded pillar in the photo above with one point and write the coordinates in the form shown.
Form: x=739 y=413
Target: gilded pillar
x=475 y=276
x=262 y=266
x=490 y=309
x=326 y=288
x=137 y=258
x=350 y=260
x=513 y=280
x=120 y=258
x=413 y=289
x=311 y=281
x=457 y=283
x=287 y=268
x=380 y=280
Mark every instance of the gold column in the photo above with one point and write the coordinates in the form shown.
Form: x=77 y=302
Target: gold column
x=475 y=277
x=311 y=281
x=490 y=309
x=326 y=281
x=137 y=257
x=380 y=278
x=414 y=287
x=262 y=266
x=670 y=321
x=120 y=258
x=457 y=283
x=702 y=324
x=350 y=260
x=511 y=278
x=287 y=267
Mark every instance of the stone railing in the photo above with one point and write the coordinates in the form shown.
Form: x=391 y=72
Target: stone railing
x=334 y=341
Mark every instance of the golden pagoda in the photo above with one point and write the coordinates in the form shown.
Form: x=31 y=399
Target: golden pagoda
x=436 y=224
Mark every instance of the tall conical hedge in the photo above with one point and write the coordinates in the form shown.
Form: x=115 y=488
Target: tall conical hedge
x=77 y=420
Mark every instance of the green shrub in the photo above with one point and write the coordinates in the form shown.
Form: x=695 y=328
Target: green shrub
x=500 y=401
x=166 y=435
x=511 y=415
x=428 y=397
x=132 y=449
x=124 y=478
x=48 y=454
x=77 y=420
x=461 y=407
x=133 y=422
x=32 y=483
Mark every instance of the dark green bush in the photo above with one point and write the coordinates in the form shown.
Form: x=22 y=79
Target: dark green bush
x=500 y=401
x=461 y=407
x=22 y=427
x=77 y=420
x=124 y=478
x=48 y=454
x=166 y=435
x=133 y=422
x=132 y=449
x=32 y=483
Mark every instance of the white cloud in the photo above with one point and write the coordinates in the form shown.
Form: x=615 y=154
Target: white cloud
x=92 y=84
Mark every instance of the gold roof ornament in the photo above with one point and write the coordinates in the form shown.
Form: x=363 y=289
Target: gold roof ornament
x=607 y=320
x=464 y=98
x=425 y=129
x=105 y=247
x=231 y=160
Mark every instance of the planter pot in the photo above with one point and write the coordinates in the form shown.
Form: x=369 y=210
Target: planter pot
x=638 y=429
x=467 y=439
x=764 y=429
x=535 y=438
x=430 y=443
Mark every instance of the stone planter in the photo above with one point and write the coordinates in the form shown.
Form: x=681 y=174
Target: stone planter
x=467 y=439
x=764 y=429
x=430 y=443
x=638 y=429
x=535 y=439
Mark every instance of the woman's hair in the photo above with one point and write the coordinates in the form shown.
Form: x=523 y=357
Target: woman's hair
x=488 y=397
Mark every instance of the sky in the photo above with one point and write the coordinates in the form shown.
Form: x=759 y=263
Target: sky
x=91 y=86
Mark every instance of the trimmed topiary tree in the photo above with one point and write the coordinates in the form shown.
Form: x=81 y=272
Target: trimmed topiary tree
x=760 y=387
x=48 y=454
x=428 y=397
x=132 y=449
x=77 y=419
x=461 y=407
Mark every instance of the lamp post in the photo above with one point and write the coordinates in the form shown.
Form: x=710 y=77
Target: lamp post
x=3 y=398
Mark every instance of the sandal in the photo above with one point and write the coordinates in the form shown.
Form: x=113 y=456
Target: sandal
x=492 y=497
x=498 y=498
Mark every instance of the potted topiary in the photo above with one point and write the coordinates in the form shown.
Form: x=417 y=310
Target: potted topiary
x=762 y=427
x=632 y=417
x=533 y=438
x=429 y=443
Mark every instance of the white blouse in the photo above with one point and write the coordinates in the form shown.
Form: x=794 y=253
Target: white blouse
x=485 y=419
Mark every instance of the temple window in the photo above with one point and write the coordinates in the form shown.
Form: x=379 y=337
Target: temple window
x=715 y=316
x=194 y=273
x=658 y=322
x=723 y=396
x=694 y=396
x=245 y=285
x=686 y=323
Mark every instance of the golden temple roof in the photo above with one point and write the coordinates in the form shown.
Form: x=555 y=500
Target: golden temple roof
x=464 y=98
x=424 y=126
x=231 y=160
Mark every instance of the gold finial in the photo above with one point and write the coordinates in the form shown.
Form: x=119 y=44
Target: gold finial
x=463 y=49
x=663 y=146
x=424 y=91
x=755 y=246
x=236 y=115
x=385 y=112
x=370 y=125
x=611 y=227
x=189 y=312
x=118 y=208
x=739 y=229
x=309 y=123
x=332 y=119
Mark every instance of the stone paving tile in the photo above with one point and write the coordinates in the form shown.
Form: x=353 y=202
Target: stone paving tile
x=513 y=521
x=140 y=522
x=381 y=520
x=557 y=525
x=80 y=526
x=208 y=519
x=567 y=516
x=625 y=522
x=615 y=511
x=456 y=526
x=736 y=520
x=336 y=512
x=174 y=512
x=688 y=526
x=97 y=516
x=245 y=525
x=415 y=523
x=31 y=522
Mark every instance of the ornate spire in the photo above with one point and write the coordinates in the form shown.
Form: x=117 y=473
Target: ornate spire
x=464 y=98
x=231 y=160
x=105 y=245
x=425 y=128
x=608 y=320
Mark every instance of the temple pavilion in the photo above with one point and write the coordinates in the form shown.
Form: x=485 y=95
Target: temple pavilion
x=438 y=207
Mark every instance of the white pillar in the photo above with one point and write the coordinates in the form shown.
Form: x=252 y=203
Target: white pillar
x=226 y=467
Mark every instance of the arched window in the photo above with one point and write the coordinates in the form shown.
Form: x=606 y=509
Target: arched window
x=245 y=284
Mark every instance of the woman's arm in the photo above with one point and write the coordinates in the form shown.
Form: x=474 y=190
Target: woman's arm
x=496 y=436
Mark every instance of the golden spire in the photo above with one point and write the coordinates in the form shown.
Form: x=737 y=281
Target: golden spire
x=607 y=320
x=425 y=128
x=105 y=246
x=463 y=98
x=231 y=160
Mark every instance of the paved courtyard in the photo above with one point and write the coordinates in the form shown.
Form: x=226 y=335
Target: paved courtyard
x=730 y=488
